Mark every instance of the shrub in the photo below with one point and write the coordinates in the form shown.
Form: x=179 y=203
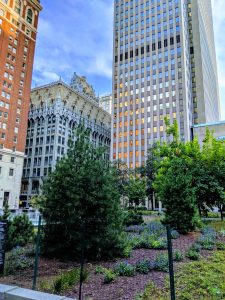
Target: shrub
x=206 y=242
x=127 y=250
x=124 y=269
x=220 y=245
x=67 y=279
x=175 y=234
x=161 y=262
x=133 y=217
x=177 y=255
x=20 y=232
x=100 y=270
x=143 y=266
x=16 y=260
x=193 y=252
x=110 y=276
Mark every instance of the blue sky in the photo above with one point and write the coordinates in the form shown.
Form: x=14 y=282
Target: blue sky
x=77 y=36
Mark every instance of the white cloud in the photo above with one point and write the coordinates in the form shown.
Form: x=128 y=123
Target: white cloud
x=79 y=39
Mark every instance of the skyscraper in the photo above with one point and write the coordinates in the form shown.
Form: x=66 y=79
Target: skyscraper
x=164 y=66
x=18 y=29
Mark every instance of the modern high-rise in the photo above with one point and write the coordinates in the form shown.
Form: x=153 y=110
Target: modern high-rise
x=18 y=30
x=164 y=66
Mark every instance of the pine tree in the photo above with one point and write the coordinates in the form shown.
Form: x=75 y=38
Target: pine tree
x=81 y=204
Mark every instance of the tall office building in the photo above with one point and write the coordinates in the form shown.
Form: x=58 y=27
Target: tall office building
x=164 y=66
x=18 y=29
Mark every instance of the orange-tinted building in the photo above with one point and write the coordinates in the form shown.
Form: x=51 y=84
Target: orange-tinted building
x=18 y=31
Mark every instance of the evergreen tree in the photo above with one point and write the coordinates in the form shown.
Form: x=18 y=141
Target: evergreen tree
x=81 y=204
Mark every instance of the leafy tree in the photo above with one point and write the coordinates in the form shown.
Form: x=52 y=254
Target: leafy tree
x=81 y=204
x=136 y=190
x=173 y=185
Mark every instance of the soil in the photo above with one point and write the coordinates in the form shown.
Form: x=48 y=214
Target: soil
x=124 y=288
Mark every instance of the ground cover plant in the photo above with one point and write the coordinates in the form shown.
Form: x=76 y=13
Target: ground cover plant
x=148 y=236
x=197 y=280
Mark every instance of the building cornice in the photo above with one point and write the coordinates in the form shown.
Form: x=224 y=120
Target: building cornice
x=60 y=82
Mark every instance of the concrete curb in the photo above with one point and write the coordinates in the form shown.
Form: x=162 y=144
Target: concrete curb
x=8 y=292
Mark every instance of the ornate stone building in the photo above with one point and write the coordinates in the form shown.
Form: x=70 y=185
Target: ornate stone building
x=56 y=110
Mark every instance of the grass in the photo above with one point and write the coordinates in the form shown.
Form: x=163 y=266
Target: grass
x=204 y=280
x=63 y=282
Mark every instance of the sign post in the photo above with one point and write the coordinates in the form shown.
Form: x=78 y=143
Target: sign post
x=3 y=228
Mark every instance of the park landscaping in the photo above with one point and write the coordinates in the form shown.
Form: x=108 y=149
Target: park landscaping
x=123 y=254
x=143 y=274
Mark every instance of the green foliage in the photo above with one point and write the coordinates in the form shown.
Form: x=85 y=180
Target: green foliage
x=178 y=255
x=220 y=245
x=133 y=217
x=143 y=266
x=127 y=250
x=20 y=232
x=161 y=262
x=136 y=190
x=124 y=269
x=196 y=280
x=188 y=179
x=193 y=253
x=17 y=259
x=110 y=276
x=80 y=202
x=66 y=280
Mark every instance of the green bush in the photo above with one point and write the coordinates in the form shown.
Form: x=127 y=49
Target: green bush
x=124 y=269
x=161 y=262
x=17 y=259
x=127 y=250
x=220 y=245
x=193 y=253
x=67 y=279
x=133 y=217
x=143 y=266
x=110 y=276
x=20 y=232
x=177 y=255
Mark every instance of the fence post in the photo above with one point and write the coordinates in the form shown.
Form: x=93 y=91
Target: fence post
x=170 y=255
x=82 y=259
x=37 y=250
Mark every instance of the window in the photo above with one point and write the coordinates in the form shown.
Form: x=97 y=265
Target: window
x=11 y=172
x=12 y=159
x=1 y=157
x=29 y=16
x=17 y=6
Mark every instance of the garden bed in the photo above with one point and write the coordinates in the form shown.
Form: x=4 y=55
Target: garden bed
x=123 y=287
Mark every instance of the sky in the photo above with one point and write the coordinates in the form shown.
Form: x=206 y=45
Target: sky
x=77 y=36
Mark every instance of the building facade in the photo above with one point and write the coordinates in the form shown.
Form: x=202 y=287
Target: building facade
x=105 y=102
x=218 y=129
x=163 y=67
x=56 y=110
x=18 y=30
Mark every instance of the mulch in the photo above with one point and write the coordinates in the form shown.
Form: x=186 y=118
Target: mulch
x=124 y=288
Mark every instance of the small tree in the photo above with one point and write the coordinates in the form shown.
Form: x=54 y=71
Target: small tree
x=136 y=190
x=20 y=232
x=173 y=185
x=81 y=204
